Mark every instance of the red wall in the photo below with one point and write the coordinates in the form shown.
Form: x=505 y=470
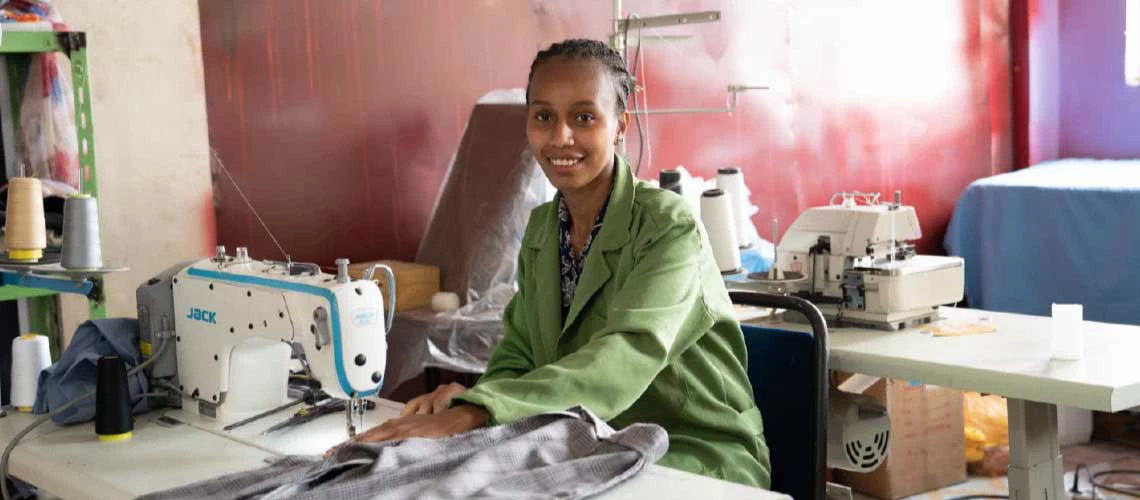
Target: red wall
x=339 y=123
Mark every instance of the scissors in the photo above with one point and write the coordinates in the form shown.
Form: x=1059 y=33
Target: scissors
x=313 y=412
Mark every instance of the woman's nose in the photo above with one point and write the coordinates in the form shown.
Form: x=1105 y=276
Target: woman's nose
x=563 y=135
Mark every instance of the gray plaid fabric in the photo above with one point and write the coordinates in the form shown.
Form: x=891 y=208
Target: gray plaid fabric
x=564 y=455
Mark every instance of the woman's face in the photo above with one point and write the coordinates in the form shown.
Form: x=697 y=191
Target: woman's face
x=573 y=122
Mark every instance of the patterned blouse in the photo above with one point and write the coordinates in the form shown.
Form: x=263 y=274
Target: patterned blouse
x=572 y=264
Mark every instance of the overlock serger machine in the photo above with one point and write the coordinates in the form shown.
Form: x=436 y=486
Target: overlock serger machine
x=207 y=310
x=853 y=259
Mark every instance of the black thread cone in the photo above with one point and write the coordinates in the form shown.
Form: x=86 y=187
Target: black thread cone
x=112 y=400
x=671 y=180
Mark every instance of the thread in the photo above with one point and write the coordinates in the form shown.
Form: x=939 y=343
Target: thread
x=716 y=215
x=26 y=232
x=112 y=400
x=30 y=355
x=670 y=180
x=81 y=241
x=731 y=181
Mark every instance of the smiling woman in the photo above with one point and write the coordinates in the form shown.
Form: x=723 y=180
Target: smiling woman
x=621 y=307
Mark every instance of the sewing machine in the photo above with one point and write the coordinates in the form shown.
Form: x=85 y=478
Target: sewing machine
x=208 y=311
x=853 y=260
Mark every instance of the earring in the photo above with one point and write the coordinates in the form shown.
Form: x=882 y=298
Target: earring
x=620 y=139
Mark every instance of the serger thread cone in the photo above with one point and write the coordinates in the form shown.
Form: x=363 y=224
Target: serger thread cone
x=25 y=234
x=81 y=242
x=716 y=215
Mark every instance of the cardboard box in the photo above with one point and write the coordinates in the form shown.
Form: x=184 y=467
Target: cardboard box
x=928 y=444
x=415 y=283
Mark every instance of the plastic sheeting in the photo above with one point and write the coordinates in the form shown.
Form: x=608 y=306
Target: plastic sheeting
x=1062 y=231
x=473 y=237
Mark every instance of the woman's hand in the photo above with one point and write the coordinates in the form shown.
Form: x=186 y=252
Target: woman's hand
x=447 y=423
x=433 y=402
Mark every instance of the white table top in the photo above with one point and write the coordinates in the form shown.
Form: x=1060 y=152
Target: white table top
x=69 y=462
x=1014 y=361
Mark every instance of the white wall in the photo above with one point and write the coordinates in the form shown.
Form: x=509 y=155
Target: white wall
x=151 y=146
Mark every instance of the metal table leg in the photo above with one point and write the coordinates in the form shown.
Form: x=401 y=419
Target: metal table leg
x=1035 y=468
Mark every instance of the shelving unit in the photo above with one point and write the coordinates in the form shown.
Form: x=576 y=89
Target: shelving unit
x=17 y=47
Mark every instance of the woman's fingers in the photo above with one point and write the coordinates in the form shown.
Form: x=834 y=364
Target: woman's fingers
x=375 y=434
x=440 y=404
x=380 y=434
x=413 y=405
x=433 y=402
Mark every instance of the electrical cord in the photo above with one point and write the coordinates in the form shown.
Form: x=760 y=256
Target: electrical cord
x=644 y=137
x=636 y=115
x=1075 y=489
x=44 y=418
x=1132 y=492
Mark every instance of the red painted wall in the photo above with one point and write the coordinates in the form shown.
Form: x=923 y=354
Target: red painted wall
x=338 y=119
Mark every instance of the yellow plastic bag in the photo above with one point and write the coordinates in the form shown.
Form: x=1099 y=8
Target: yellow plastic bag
x=987 y=424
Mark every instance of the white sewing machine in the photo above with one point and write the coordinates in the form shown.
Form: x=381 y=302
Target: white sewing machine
x=211 y=311
x=854 y=261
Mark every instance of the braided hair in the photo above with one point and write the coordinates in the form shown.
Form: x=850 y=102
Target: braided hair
x=592 y=50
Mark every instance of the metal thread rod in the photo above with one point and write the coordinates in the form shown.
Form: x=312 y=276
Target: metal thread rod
x=709 y=16
x=774 y=271
x=733 y=99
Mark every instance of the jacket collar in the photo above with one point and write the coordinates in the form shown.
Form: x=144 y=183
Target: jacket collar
x=615 y=226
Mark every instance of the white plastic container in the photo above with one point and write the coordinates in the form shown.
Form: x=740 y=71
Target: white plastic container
x=1068 y=332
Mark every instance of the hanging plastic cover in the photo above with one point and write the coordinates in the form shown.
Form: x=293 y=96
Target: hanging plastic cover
x=48 y=144
x=473 y=236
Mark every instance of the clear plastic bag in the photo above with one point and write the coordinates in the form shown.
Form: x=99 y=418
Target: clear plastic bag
x=49 y=148
x=473 y=236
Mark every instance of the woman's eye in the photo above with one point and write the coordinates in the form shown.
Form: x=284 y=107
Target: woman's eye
x=586 y=118
x=542 y=116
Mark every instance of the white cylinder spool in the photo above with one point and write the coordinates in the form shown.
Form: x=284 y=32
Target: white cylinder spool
x=731 y=181
x=716 y=215
x=31 y=353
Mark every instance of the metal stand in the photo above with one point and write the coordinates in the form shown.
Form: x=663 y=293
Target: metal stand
x=1035 y=467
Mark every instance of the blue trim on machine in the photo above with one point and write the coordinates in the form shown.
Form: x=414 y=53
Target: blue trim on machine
x=296 y=287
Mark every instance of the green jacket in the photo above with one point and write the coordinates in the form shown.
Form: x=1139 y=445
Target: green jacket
x=650 y=336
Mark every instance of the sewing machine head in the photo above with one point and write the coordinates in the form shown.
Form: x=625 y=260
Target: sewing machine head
x=867 y=233
x=212 y=307
x=854 y=259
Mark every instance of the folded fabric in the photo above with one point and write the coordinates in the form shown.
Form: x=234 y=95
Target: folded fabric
x=564 y=455
x=75 y=372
